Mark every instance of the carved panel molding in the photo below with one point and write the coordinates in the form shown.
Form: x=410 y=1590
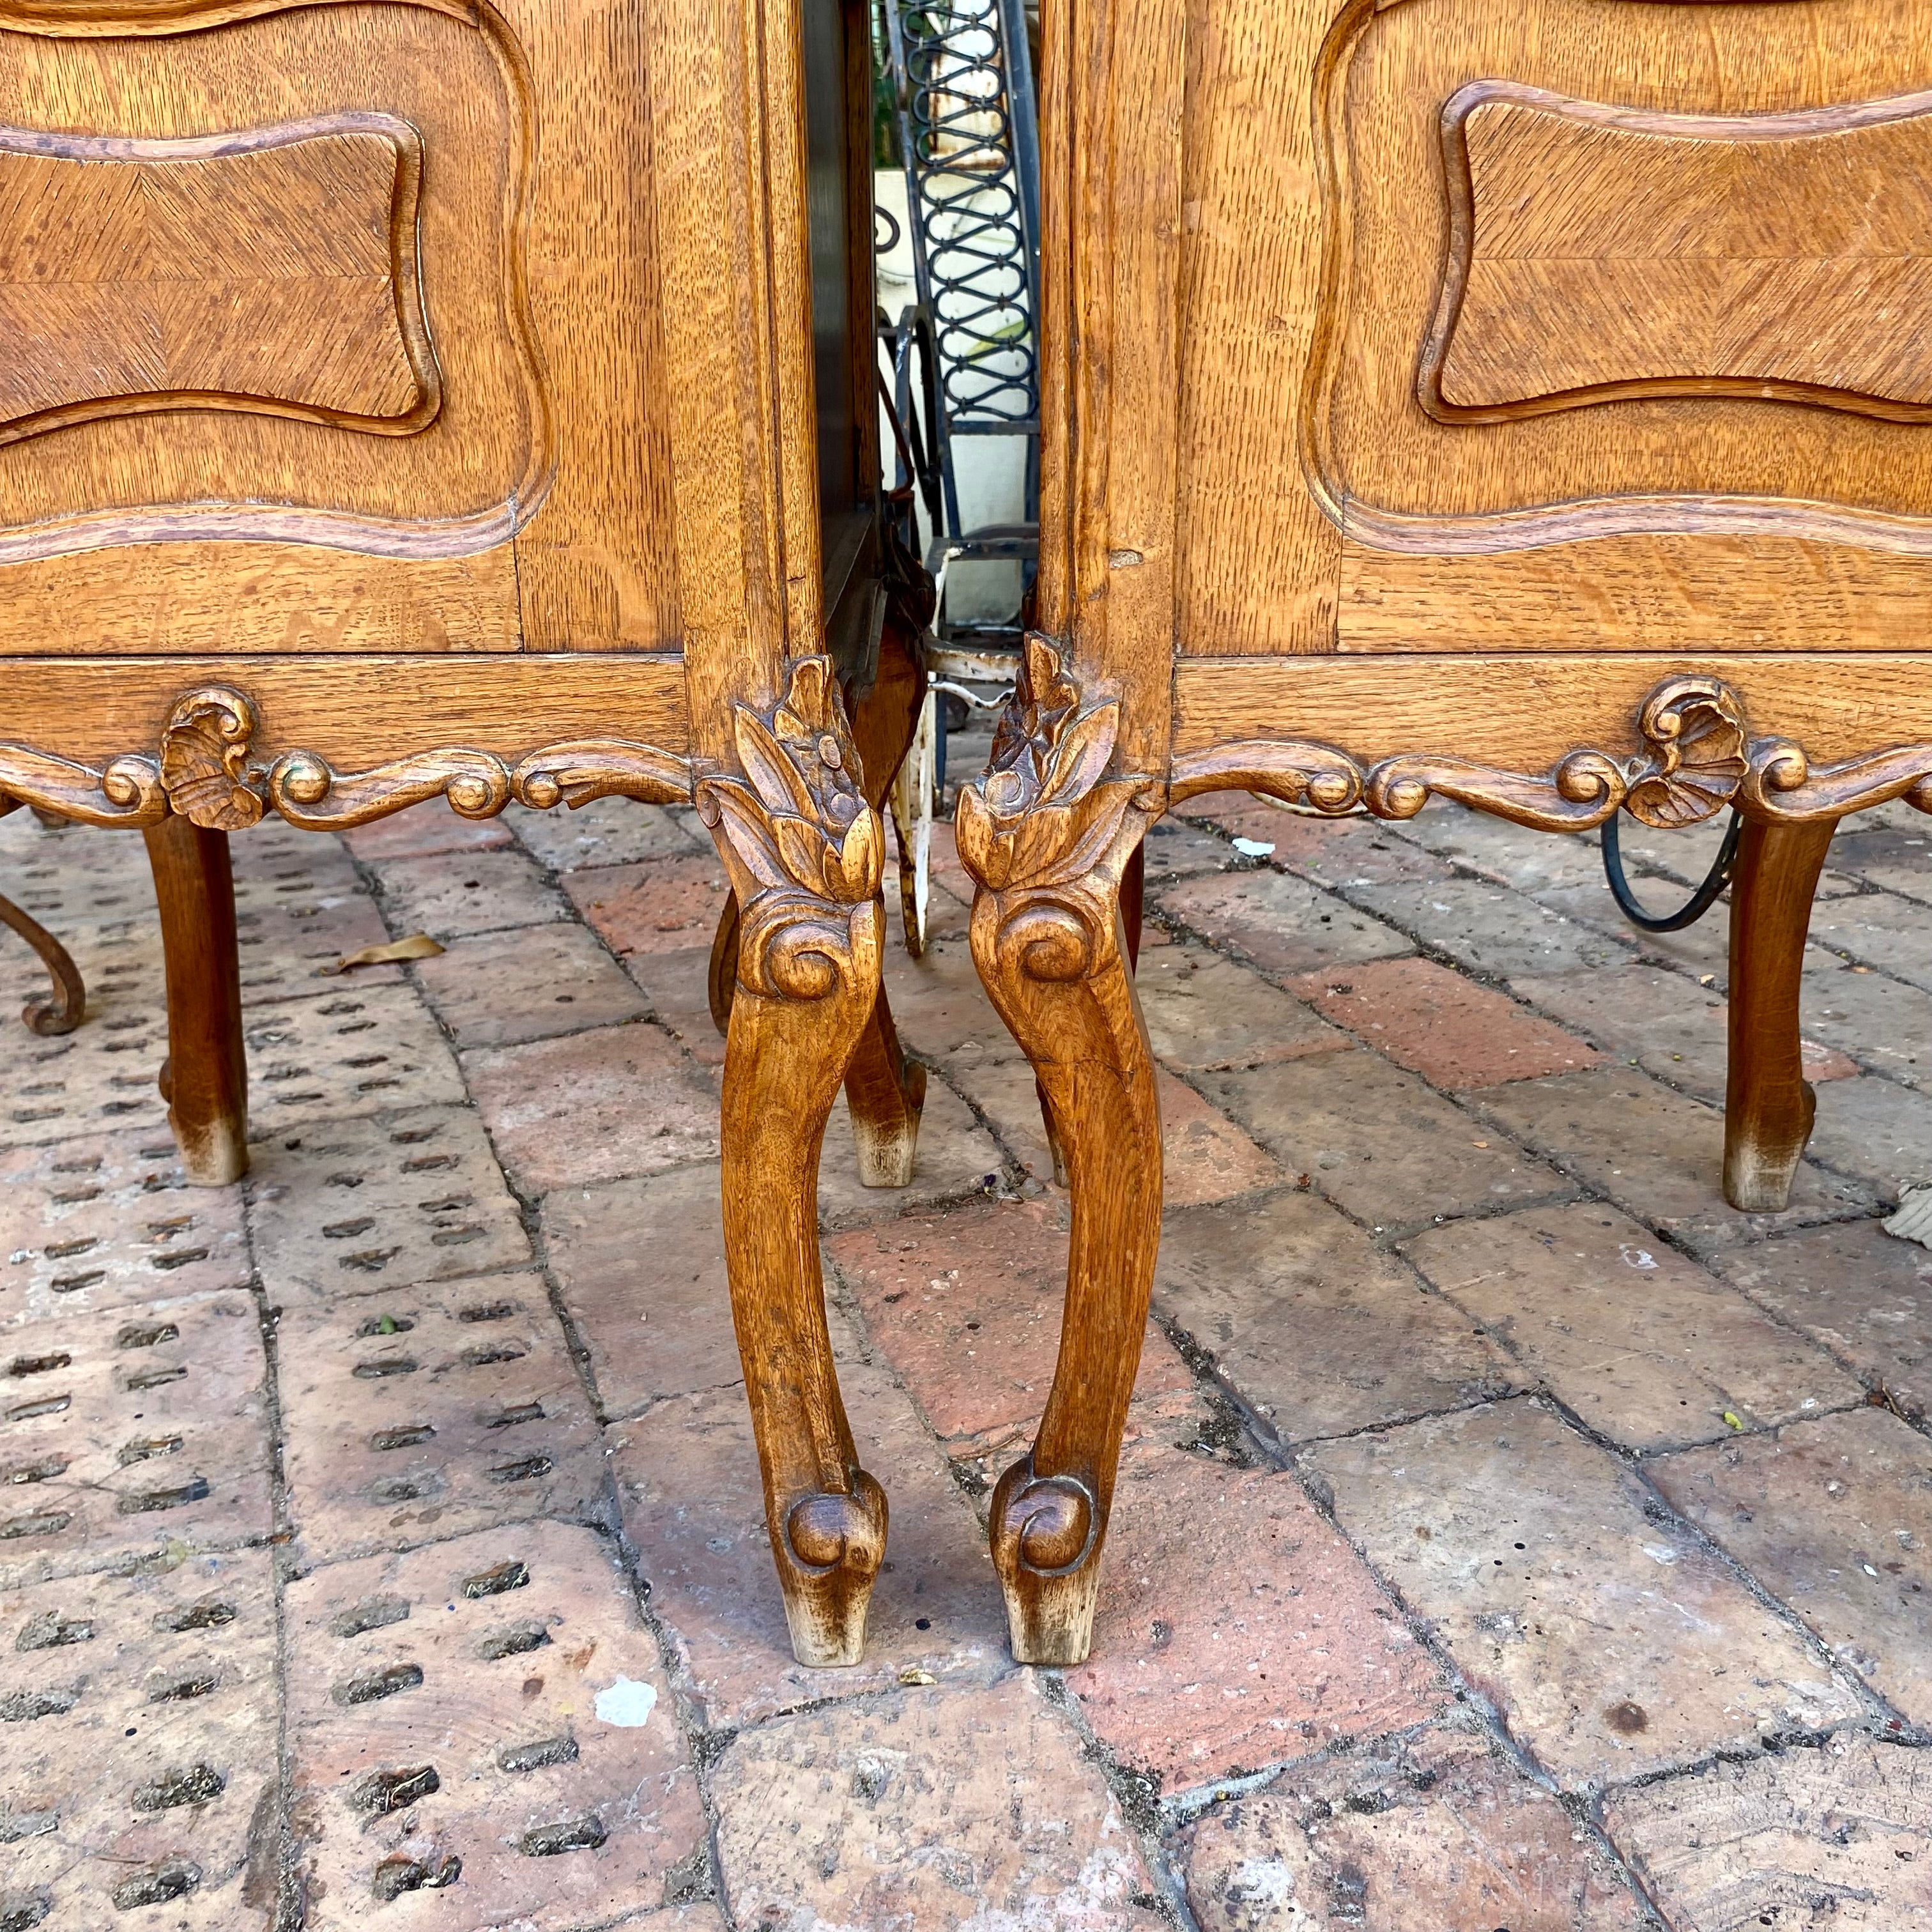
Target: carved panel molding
x=1598 y=253
x=205 y=769
x=198 y=306
x=1699 y=312
x=1698 y=757
x=273 y=271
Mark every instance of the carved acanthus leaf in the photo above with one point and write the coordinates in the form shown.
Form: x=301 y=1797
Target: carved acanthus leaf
x=804 y=850
x=797 y=821
x=1045 y=813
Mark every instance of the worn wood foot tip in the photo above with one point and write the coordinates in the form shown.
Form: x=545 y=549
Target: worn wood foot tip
x=889 y=1146
x=1768 y=1104
x=1761 y=1159
x=828 y=1549
x=885 y=1092
x=1046 y=1535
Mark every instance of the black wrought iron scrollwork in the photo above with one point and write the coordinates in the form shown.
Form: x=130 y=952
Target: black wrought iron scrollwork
x=1694 y=908
x=967 y=125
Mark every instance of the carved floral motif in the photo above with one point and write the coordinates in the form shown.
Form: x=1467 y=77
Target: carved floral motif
x=1696 y=729
x=804 y=850
x=1044 y=814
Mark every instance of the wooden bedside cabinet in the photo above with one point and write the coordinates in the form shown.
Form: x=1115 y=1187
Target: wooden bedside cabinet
x=1530 y=406
x=401 y=399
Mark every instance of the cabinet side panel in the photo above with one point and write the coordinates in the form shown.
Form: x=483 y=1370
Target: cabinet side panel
x=1258 y=559
x=598 y=560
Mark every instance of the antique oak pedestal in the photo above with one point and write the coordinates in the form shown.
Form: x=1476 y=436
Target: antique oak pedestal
x=404 y=398
x=1530 y=406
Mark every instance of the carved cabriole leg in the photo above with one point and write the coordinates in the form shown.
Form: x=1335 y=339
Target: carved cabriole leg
x=204 y=1077
x=884 y=1090
x=804 y=852
x=1049 y=840
x=1768 y=1104
x=61 y=1011
x=1133 y=899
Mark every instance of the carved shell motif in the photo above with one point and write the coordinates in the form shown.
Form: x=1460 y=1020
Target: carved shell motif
x=1696 y=728
x=204 y=748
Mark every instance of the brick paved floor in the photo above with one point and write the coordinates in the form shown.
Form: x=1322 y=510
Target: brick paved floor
x=1510 y=1535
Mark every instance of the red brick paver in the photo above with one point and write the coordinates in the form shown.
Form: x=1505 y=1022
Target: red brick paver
x=486 y=1719
x=592 y=1106
x=1434 y=1830
x=1832 y=1515
x=1640 y=1343
x=1858 y=1292
x=641 y=1265
x=936 y=1809
x=688 y=1477
x=1848 y=1822
x=105 y=1220
x=139 y=1778
x=553 y=979
x=1448 y=1029
x=418 y=1413
x=481 y=892
x=425 y=830
x=967 y=1309
x=131 y=1431
x=664 y=905
x=1237 y=1628
x=1613 y=1643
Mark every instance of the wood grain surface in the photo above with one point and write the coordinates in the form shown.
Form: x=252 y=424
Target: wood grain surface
x=462 y=482
x=1321 y=508
x=1597 y=253
x=1637 y=593
x=1524 y=713
x=1258 y=557
x=355 y=710
x=1112 y=95
x=274 y=273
